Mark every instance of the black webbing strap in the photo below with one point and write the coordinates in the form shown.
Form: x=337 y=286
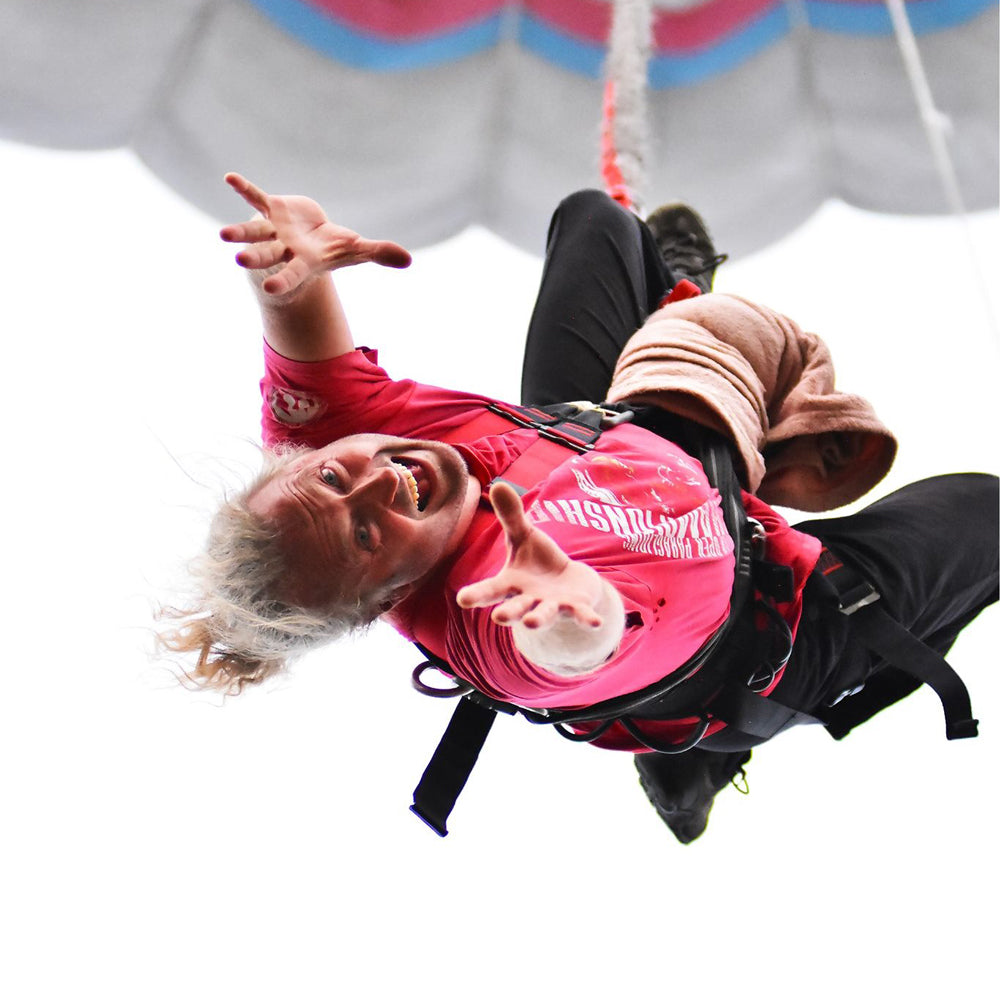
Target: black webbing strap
x=746 y=711
x=885 y=636
x=575 y=426
x=882 y=634
x=449 y=769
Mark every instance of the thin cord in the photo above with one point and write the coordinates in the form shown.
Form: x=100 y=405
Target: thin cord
x=936 y=123
x=936 y=127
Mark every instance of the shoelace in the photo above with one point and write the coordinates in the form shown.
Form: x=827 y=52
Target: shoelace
x=713 y=262
x=689 y=257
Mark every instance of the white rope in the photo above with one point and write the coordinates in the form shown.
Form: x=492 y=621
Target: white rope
x=629 y=48
x=936 y=123
x=937 y=126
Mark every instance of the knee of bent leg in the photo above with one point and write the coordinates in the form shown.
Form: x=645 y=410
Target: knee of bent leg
x=589 y=205
x=587 y=210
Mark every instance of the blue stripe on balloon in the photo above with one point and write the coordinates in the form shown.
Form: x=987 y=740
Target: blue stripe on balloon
x=925 y=16
x=664 y=70
x=366 y=51
x=674 y=70
x=726 y=54
x=557 y=47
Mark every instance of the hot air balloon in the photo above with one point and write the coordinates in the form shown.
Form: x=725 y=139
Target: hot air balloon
x=418 y=118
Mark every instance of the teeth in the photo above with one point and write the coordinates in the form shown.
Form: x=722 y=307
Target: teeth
x=410 y=481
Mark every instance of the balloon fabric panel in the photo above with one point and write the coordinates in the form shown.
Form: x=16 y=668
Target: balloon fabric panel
x=413 y=120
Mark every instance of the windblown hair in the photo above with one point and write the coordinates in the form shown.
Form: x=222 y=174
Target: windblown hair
x=241 y=632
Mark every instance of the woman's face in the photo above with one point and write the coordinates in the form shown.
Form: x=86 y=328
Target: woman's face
x=367 y=514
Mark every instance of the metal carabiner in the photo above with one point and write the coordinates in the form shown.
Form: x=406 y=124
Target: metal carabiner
x=610 y=416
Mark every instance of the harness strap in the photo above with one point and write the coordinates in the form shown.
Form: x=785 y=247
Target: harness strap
x=449 y=769
x=882 y=634
x=575 y=426
x=746 y=712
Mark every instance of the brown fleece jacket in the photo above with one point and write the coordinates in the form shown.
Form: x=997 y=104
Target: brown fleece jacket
x=755 y=376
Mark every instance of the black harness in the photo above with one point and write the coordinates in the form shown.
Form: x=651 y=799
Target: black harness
x=716 y=682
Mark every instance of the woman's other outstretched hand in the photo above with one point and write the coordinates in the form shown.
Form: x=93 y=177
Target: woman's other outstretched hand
x=565 y=617
x=294 y=230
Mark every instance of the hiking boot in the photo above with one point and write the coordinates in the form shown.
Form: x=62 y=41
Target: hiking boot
x=685 y=244
x=682 y=787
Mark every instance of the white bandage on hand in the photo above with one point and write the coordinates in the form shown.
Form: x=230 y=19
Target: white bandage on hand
x=566 y=647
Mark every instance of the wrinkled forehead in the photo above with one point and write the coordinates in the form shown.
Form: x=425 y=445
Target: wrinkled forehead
x=267 y=498
x=320 y=566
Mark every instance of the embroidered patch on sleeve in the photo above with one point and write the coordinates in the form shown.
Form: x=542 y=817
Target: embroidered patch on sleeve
x=290 y=407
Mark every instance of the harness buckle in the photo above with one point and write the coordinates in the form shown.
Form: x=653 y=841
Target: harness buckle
x=859 y=596
x=853 y=590
x=849 y=693
x=610 y=417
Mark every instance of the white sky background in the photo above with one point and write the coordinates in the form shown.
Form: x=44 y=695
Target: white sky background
x=157 y=843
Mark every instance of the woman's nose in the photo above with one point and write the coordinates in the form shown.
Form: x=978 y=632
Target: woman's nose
x=378 y=486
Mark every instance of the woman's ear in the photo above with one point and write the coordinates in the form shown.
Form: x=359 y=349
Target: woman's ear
x=394 y=596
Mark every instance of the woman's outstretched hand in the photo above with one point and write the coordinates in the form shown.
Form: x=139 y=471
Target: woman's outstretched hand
x=564 y=616
x=295 y=231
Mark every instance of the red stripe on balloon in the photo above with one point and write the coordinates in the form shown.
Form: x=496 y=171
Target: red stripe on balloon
x=585 y=19
x=701 y=26
x=673 y=30
x=407 y=18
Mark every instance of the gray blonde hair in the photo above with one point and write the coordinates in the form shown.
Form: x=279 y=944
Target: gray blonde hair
x=240 y=631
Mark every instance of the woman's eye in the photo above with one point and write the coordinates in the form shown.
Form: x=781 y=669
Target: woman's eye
x=330 y=477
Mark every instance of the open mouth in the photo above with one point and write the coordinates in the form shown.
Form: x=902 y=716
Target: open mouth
x=416 y=481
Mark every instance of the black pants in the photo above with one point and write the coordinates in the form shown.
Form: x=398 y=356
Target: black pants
x=603 y=276
x=930 y=548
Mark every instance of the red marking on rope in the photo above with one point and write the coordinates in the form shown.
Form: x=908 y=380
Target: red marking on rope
x=614 y=181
